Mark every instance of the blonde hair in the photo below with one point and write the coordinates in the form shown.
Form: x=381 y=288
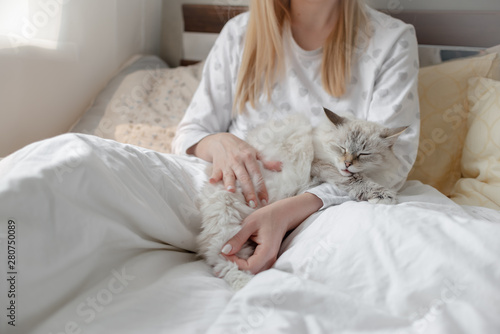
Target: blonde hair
x=262 y=61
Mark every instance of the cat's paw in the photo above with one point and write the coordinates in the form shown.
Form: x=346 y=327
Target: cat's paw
x=235 y=277
x=238 y=280
x=358 y=195
x=382 y=197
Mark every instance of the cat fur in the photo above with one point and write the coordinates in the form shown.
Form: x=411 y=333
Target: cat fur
x=309 y=157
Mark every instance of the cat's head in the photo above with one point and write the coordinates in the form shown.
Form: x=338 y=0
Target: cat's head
x=356 y=146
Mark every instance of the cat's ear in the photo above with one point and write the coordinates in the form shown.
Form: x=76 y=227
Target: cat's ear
x=393 y=134
x=333 y=117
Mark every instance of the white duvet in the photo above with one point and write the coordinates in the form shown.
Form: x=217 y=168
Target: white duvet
x=104 y=234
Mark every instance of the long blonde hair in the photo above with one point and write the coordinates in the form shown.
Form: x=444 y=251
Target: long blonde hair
x=263 y=55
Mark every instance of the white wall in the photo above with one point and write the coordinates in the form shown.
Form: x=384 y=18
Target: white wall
x=49 y=76
x=173 y=25
x=436 y=4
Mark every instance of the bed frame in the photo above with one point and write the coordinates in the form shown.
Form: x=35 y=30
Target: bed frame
x=448 y=28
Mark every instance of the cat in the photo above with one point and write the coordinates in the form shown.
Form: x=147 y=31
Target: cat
x=349 y=153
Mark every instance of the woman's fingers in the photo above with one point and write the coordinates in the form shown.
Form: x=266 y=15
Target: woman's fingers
x=265 y=227
x=236 y=161
x=262 y=259
x=234 y=244
x=255 y=187
x=252 y=183
x=229 y=181
x=259 y=186
x=216 y=176
x=271 y=165
x=247 y=186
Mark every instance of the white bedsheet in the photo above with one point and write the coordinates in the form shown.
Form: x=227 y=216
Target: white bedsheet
x=104 y=233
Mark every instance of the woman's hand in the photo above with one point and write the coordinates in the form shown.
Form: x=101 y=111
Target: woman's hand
x=234 y=159
x=266 y=227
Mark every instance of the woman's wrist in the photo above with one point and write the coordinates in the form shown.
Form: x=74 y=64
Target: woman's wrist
x=296 y=209
x=202 y=148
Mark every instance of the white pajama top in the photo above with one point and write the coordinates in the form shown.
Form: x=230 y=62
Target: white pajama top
x=382 y=89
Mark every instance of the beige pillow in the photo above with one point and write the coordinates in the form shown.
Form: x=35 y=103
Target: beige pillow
x=443 y=112
x=153 y=121
x=121 y=97
x=480 y=163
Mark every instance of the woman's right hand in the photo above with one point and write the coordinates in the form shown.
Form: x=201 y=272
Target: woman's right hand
x=234 y=159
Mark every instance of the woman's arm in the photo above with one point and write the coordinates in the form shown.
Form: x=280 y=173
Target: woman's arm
x=203 y=130
x=395 y=103
x=267 y=227
x=210 y=110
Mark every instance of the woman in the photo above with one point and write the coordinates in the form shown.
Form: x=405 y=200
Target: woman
x=89 y=214
x=297 y=56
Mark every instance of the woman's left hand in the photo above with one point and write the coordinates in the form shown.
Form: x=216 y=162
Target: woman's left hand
x=266 y=227
x=267 y=231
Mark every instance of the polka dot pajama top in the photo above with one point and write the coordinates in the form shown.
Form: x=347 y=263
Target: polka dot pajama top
x=382 y=89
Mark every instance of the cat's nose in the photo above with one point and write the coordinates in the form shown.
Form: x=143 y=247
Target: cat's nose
x=347 y=164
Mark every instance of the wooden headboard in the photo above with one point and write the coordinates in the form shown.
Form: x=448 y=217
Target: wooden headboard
x=447 y=28
x=208 y=18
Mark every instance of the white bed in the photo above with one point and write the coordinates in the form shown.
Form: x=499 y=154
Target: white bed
x=429 y=264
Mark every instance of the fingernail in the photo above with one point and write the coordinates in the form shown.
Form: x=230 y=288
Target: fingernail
x=230 y=188
x=252 y=204
x=264 y=202
x=226 y=249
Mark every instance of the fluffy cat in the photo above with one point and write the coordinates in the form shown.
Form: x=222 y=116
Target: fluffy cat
x=352 y=154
